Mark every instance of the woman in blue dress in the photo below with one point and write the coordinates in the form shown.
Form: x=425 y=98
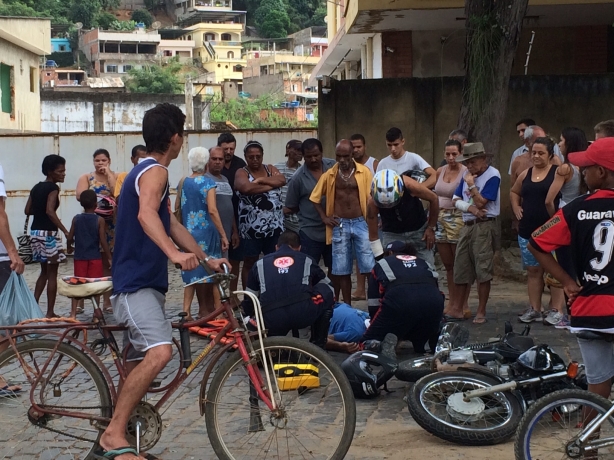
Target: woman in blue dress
x=200 y=216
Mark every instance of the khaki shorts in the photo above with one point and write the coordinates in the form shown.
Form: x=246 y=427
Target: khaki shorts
x=449 y=225
x=475 y=252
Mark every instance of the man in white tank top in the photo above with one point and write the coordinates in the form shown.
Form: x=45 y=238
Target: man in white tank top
x=359 y=153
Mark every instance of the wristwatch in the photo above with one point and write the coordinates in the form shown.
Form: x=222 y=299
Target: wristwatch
x=207 y=259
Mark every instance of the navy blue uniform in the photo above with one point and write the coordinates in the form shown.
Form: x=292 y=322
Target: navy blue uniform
x=293 y=290
x=404 y=300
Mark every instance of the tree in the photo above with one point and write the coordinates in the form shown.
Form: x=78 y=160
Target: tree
x=272 y=19
x=84 y=11
x=155 y=79
x=493 y=30
x=143 y=16
x=110 y=4
x=18 y=9
x=104 y=20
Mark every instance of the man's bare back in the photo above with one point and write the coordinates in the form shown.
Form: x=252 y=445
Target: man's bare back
x=347 y=198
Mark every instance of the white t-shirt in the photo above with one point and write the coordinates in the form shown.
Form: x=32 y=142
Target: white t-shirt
x=3 y=254
x=408 y=161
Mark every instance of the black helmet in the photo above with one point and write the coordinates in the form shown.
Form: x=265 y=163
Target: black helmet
x=542 y=358
x=417 y=175
x=359 y=370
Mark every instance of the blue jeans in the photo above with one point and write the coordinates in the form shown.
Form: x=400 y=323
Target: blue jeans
x=351 y=237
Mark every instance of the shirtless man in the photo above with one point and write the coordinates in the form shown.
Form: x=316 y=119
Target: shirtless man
x=346 y=187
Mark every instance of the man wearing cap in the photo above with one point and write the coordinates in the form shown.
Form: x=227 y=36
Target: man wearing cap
x=587 y=225
x=261 y=219
x=478 y=197
x=294 y=156
x=404 y=298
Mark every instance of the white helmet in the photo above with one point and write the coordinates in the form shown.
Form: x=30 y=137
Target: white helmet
x=387 y=188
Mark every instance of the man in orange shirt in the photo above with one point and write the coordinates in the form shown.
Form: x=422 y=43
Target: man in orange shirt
x=346 y=188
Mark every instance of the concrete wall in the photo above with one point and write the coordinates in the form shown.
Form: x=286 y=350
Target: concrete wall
x=426 y=110
x=22 y=175
x=264 y=84
x=25 y=103
x=90 y=112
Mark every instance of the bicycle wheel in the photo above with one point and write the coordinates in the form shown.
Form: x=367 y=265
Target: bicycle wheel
x=436 y=404
x=71 y=382
x=317 y=411
x=552 y=425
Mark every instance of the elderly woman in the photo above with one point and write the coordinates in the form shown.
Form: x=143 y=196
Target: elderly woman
x=529 y=199
x=102 y=181
x=197 y=202
x=47 y=248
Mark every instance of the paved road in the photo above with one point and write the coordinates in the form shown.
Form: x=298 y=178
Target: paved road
x=384 y=427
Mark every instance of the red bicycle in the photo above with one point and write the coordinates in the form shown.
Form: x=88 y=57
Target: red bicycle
x=270 y=398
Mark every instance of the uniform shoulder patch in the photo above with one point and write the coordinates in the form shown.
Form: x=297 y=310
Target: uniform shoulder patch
x=283 y=262
x=548 y=225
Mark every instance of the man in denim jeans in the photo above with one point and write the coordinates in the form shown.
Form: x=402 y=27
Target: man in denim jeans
x=346 y=187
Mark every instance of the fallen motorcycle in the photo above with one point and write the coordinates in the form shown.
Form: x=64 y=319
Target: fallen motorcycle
x=452 y=351
x=480 y=406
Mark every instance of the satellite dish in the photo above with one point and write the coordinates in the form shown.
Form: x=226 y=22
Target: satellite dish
x=156 y=25
x=79 y=25
x=325 y=19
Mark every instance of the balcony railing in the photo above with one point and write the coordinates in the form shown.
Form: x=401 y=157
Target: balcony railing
x=213 y=3
x=224 y=43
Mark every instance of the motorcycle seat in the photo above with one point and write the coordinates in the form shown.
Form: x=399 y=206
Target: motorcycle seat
x=594 y=335
x=76 y=287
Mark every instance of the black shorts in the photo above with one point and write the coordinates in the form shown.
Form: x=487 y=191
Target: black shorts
x=317 y=249
x=5 y=273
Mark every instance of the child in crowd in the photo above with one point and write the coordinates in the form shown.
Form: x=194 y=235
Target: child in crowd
x=87 y=233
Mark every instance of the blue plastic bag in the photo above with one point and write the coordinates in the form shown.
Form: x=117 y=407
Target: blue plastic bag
x=17 y=302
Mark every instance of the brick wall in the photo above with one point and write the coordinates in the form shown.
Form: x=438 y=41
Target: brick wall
x=590 y=54
x=399 y=63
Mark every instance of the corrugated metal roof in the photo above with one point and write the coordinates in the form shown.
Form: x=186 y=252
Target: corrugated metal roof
x=105 y=82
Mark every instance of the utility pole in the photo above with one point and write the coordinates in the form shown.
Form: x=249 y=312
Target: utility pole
x=189 y=103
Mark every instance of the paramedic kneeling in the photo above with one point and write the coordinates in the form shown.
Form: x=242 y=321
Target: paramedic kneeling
x=293 y=290
x=404 y=298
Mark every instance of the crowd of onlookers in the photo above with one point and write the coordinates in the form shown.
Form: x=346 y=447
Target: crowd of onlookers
x=343 y=209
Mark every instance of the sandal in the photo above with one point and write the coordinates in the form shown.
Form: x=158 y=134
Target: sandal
x=10 y=391
x=479 y=320
x=108 y=309
x=80 y=310
x=453 y=319
x=112 y=453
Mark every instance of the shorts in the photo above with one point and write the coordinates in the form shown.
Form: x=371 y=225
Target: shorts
x=475 y=252
x=317 y=249
x=415 y=239
x=351 y=237
x=88 y=268
x=5 y=273
x=143 y=312
x=528 y=260
x=598 y=357
x=236 y=254
x=449 y=224
x=47 y=247
x=253 y=247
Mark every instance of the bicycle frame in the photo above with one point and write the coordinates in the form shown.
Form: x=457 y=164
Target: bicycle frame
x=593 y=426
x=241 y=337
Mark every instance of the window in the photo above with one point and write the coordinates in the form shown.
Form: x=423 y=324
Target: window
x=168 y=53
x=209 y=91
x=294 y=88
x=209 y=37
x=237 y=68
x=230 y=55
x=127 y=68
x=6 y=83
x=189 y=37
x=111 y=69
x=62 y=48
x=226 y=37
x=33 y=79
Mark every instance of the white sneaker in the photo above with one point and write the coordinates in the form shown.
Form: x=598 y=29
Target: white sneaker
x=530 y=316
x=552 y=318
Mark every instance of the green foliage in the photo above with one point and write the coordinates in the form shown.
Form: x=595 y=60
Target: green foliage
x=272 y=19
x=123 y=25
x=104 y=20
x=301 y=14
x=245 y=113
x=84 y=11
x=153 y=5
x=62 y=59
x=143 y=16
x=19 y=9
x=155 y=79
x=110 y=4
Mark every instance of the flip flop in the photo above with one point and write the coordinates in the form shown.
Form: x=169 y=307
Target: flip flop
x=357 y=297
x=113 y=453
x=479 y=320
x=6 y=392
x=453 y=319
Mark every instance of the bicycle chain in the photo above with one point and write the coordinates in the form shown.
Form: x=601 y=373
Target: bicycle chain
x=74 y=436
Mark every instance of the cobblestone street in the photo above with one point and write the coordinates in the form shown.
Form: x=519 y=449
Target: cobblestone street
x=384 y=430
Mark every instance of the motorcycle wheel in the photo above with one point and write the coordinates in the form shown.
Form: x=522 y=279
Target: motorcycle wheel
x=436 y=404
x=551 y=426
x=413 y=370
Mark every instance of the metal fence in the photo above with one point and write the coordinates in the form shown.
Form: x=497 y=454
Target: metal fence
x=22 y=155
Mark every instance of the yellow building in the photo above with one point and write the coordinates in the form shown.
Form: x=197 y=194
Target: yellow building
x=22 y=42
x=426 y=38
x=217 y=31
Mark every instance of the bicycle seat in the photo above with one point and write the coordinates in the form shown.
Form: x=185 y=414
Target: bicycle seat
x=76 y=287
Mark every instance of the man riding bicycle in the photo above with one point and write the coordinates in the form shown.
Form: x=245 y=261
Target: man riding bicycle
x=140 y=269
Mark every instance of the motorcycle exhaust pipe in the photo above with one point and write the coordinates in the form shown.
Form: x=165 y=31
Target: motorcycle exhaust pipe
x=510 y=386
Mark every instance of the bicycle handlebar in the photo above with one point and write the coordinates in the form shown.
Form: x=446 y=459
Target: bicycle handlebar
x=218 y=277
